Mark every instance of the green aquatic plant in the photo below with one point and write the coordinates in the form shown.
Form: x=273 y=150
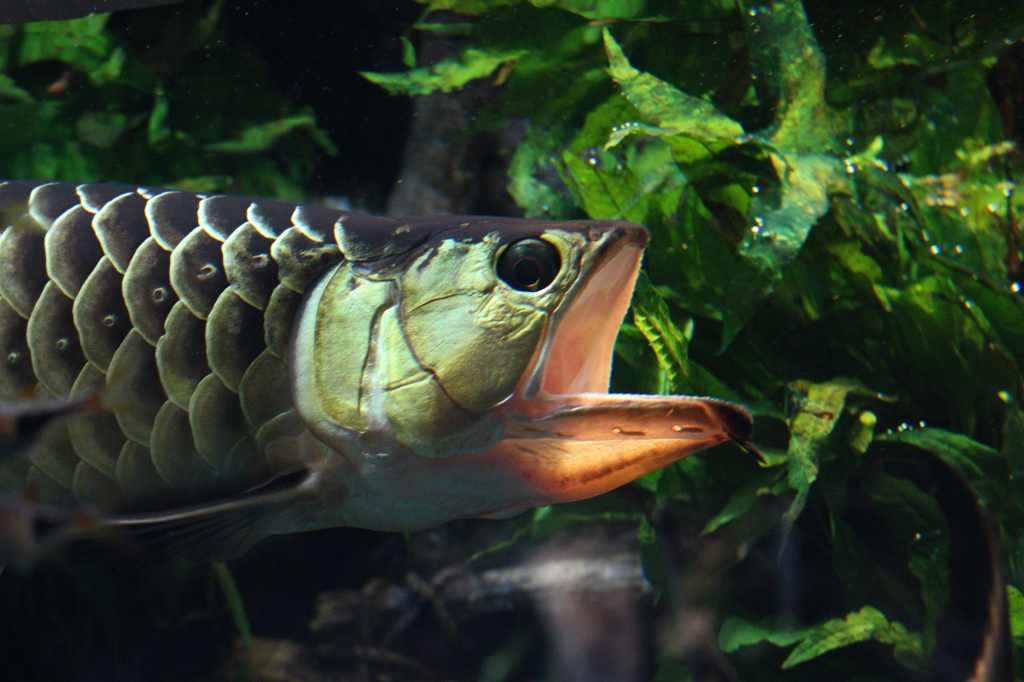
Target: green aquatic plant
x=834 y=246
x=80 y=102
x=835 y=243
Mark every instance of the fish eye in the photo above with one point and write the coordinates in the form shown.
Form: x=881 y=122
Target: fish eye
x=529 y=264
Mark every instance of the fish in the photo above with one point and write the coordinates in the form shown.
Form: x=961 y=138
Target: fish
x=268 y=367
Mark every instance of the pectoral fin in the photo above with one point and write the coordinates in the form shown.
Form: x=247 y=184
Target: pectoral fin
x=219 y=530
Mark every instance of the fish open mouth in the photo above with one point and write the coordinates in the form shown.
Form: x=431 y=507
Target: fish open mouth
x=577 y=357
x=564 y=432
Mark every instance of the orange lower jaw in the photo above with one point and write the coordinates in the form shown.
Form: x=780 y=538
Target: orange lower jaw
x=553 y=471
x=576 y=447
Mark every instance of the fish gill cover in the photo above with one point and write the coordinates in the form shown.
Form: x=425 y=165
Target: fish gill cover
x=836 y=243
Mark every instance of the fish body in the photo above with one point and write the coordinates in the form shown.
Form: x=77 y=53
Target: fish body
x=270 y=367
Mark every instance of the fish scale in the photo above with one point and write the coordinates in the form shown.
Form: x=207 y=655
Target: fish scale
x=180 y=306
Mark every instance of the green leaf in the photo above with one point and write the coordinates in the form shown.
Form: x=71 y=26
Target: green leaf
x=100 y=129
x=236 y=607
x=802 y=143
x=534 y=155
x=779 y=232
x=597 y=10
x=919 y=526
x=1016 y=604
x=261 y=137
x=9 y=90
x=985 y=469
x=670 y=345
x=645 y=188
x=948 y=352
x=651 y=317
x=772 y=483
x=815 y=410
x=858 y=626
x=446 y=75
x=964 y=454
x=663 y=104
x=443 y=28
x=467 y=6
x=780 y=224
x=591 y=9
x=82 y=42
x=408 y=52
x=737 y=632
x=157 y=130
x=791 y=59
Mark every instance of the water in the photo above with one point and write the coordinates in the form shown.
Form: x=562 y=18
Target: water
x=878 y=336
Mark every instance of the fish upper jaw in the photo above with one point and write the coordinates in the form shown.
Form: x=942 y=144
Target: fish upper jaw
x=576 y=355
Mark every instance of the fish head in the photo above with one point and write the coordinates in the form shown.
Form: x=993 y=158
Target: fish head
x=483 y=315
x=486 y=350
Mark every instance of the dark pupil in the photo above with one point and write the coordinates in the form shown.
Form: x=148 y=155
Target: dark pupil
x=529 y=265
x=527 y=273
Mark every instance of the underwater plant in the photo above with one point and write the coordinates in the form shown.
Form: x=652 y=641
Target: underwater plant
x=835 y=243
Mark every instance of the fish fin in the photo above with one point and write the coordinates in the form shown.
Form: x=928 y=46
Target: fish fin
x=214 y=531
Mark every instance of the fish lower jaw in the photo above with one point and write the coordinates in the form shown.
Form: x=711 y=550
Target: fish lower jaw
x=580 y=447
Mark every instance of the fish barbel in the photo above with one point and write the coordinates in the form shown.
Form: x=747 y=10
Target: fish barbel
x=270 y=367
